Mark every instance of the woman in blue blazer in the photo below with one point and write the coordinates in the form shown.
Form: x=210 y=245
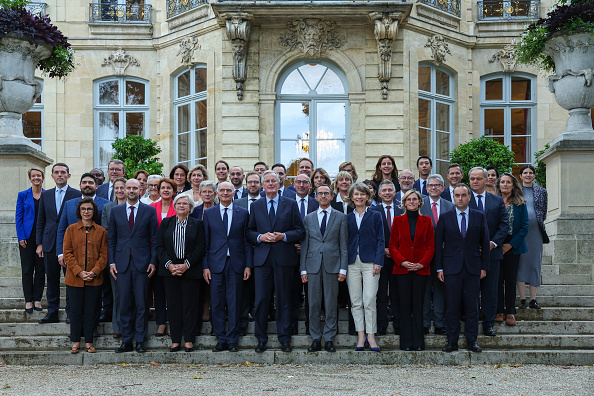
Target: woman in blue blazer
x=514 y=245
x=26 y=224
x=366 y=258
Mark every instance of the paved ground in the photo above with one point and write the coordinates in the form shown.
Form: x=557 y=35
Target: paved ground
x=249 y=379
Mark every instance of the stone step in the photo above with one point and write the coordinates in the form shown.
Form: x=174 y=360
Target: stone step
x=563 y=301
x=17 y=292
x=566 y=279
x=559 y=290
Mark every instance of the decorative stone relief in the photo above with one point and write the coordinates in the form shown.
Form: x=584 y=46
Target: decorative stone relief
x=506 y=57
x=439 y=48
x=237 y=27
x=312 y=35
x=186 y=49
x=385 y=28
x=120 y=61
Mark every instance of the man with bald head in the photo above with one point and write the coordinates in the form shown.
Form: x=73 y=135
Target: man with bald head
x=236 y=177
x=406 y=181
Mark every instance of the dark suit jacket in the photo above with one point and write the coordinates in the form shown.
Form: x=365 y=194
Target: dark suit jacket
x=218 y=242
x=197 y=213
x=452 y=251
x=24 y=214
x=497 y=220
x=446 y=194
x=244 y=193
x=397 y=212
x=103 y=190
x=368 y=239
x=287 y=220
x=122 y=242
x=417 y=186
x=338 y=205
x=312 y=204
x=48 y=219
x=444 y=206
x=194 y=247
x=519 y=229
x=403 y=248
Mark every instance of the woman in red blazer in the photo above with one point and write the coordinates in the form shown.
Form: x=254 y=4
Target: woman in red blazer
x=411 y=247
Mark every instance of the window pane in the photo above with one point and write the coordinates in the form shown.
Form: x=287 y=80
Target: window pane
x=520 y=121
x=201 y=143
x=312 y=74
x=135 y=93
x=294 y=84
x=521 y=148
x=494 y=122
x=425 y=79
x=291 y=151
x=38 y=100
x=330 y=84
x=183 y=84
x=494 y=89
x=442 y=83
x=330 y=155
x=108 y=93
x=294 y=121
x=109 y=126
x=442 y=111
x=135 y=124
x=183 y=118
x=520 y=89
x=183 y=147
x=200 y=85
x=441 y=167
x=424 y=113
x=442 y=146
x=200 y=108
x=105 y=153
x=32 y=126
x=424 y=141
x=331 y=121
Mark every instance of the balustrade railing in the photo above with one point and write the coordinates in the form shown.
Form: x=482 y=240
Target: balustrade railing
x=176 y=7
x=120 y=13
x=449 y=6
x=37 y=8
x=490 y=10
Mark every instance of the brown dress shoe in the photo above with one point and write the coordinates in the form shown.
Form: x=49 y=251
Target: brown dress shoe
x=117 y=335
x=499 y=318
x=510 y=320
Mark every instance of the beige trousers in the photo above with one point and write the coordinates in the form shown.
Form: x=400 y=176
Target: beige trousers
x=363 y=290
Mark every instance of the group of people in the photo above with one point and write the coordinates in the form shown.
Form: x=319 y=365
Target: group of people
x=246 y=247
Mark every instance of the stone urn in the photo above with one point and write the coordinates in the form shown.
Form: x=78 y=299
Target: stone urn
x=18 y=88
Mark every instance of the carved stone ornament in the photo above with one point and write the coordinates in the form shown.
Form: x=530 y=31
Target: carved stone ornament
x=237 y=27
x=385 y=28
x=439 y=49
x=312 y=35
x=120 y=61
x=186 y=50
x=506 y=57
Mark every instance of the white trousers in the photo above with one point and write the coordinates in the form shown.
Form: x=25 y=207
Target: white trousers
x=363 y=291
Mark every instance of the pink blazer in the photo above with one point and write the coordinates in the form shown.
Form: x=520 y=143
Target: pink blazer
x=170 y=212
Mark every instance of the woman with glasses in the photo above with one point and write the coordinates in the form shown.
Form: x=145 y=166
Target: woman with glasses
x=142 y=177
x=152 y=184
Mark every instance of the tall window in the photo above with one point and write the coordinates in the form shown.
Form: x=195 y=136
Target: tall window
x=33 y=122
x=312 y=117
x=121 y=109
x=190 y=117
x=508 y=113
x=436 y=115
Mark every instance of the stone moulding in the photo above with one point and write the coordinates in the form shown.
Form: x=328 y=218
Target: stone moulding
x=120 y=61
x=385 y=29
x=439 y=49
x=186 y=50
x=312 y=35
x=237 y=27
x=506 y=57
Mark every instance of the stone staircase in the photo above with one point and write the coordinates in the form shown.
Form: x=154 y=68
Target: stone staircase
x=562 y=333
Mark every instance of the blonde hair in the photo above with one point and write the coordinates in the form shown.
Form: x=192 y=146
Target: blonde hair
x=410 y=192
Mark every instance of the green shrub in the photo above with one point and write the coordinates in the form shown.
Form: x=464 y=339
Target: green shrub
x=483 y=152
x=138 y=153
x=541 y=168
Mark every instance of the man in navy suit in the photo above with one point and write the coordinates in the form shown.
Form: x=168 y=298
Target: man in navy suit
x=406 y=179
x=132 y=258
x=455 y=175
x=225 y=227
x=275 y=227
x=51 y=206
x=116 y=168
x=498 y=222
x=461 y=260
x=305 y=167
x=283 y=191
x=236 y=178
x=424 y=166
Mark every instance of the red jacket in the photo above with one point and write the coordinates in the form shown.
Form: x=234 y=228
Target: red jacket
x=403 y=249
x=170 y=212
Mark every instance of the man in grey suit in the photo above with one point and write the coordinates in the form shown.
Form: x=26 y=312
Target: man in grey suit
x=324 y=262
x=434 y=206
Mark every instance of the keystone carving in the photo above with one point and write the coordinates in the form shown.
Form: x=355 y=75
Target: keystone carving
x=312 y=35
x=186 y=50
x=120 y=61
x=506 y=57
x=439 y=49
x=237 y=27
x=385 y=28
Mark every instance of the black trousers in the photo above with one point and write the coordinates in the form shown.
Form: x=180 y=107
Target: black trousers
x=52 y=293
x=247 y=302
x=506 y=295
x=159 y=300
x=411 y=293
x=387 y=290
x=462 y=291
x=84 y=306
x=182 y=299
x=33 y=271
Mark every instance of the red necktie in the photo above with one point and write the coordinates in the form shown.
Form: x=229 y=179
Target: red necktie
x=434 y=211
x=131 y=218
x=389 y=217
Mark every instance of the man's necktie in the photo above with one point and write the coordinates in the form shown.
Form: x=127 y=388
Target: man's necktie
x=302 y=209
x=463 y=225
x=111 y=193
x=480 y=203
x=250 y=204
x=324 y=219
x=236 y=195
x=59 y=201
x=389 y=216
x=226 y=221
x=424 y=188
x=131 y=218
x=271 y=214
x=434 y=212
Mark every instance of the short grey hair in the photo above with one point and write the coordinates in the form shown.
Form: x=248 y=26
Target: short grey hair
x=479 y=168
x=389 y=182
x=207 y=183
x=119 y=162
x=269 y=172
x=188 y=196
x=158 y=177
x=436 y=176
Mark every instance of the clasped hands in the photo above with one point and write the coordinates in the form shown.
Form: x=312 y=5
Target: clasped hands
x=87 y=276
x=412 y=266
x=177 y=269
x=272 y=237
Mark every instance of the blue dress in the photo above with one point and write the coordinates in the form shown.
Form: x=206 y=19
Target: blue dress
x=531 y=261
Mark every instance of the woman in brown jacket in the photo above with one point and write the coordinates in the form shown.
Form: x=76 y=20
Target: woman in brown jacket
x=85 y=254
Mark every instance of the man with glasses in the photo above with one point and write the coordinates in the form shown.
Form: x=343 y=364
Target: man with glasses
x=116 y=168
x=406 y=181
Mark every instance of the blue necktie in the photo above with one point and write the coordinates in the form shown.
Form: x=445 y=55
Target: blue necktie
x=59 y=201
x=323 y=226
x=480 y=203
x=302 y=209
x=226 y=221
x=271 y=214
x=463 y=225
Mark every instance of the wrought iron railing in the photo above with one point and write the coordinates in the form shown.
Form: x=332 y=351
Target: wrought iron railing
x=175 y=7
x=508 y=10
x=120 y=13
x=449 y=6
x=37 y=8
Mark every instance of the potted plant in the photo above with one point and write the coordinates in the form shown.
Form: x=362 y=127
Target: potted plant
x=27 y=42
x=563 y=43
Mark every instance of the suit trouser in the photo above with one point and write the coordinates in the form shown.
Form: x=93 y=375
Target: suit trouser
x=159 y=300
x=363 y=291
x=182 y=297
x=247 y=302
x=323 y=286
x=506 y=288
x=225 y=292
x=86 y=301
x=296 y=300
x=489 y=293
x=462 y=288
x=133 y=285
x=387 y=291
x=52 y=271
x=107 y=295
x=266 y=276
x=115 y=317
x=434 y=300
x=411 y=292
x=33 y=271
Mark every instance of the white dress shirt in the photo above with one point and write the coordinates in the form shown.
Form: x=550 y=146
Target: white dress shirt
x=250 y=202
x=305 y=202
x=229 y=217
x=391 y=210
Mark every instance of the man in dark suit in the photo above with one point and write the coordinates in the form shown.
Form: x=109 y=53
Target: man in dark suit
x=305 y=167
x=455 y=175
x=225 y=227
x=282 y=174
x=51 y=206
x=236 y=178
x=132 y=258
x=424 y=166
x=387 y=283
x=434 y=206
x=275 y=227
x=498 y=223
x=116 y=168
x=406 y=179
x=461 y=260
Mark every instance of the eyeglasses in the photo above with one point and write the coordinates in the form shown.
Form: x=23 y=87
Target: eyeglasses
x=253 y=182
x=324 y=194
x=302 y=182
x=153 y=185
x=115 y=170
x=86 y=209
x=433 y=185
x=407 y=178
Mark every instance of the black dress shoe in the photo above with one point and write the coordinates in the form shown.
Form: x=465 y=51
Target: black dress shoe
x=450 y=348
x=233 y=348
x=489 y=331
x=419 y=349
x=261 y=347
x=522 y=304
x=329 y=346
x=315 y=346
x=474 y=348
x=29 y=310
x=220 y=347
x=440 y=331
x=533 y=304
x=189 y=349
x=175 y=349
x=49 y=319
x=140 y=347
x=286 y=346
x=405 y=348
x=125 y=347
x=39 y=309
x=243 y=332
x=381 y=331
